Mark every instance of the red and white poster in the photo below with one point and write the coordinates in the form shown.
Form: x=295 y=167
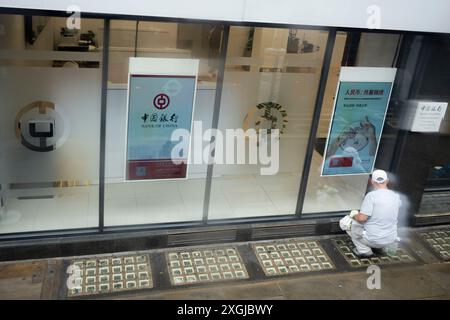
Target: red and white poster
x=161 y=97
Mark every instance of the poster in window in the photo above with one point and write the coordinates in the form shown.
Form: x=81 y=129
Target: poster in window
x=362 y=99
x=160 y=100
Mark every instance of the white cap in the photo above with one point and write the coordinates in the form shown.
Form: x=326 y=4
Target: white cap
x=379 y=176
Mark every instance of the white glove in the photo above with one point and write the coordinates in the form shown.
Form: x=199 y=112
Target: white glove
x=346 y=223
x=353 y=213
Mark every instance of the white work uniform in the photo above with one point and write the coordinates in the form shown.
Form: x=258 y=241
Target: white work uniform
x=380 y=229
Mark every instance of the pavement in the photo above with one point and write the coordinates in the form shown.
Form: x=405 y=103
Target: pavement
x=426 y=277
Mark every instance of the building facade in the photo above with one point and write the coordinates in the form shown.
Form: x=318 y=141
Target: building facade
x=64 y=83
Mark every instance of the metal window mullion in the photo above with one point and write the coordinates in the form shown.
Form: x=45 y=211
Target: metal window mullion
x=104 y=92
x=215 y=119
x=315 y=120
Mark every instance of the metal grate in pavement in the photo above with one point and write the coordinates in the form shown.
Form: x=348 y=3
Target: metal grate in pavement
x=202 y=265
x=439 y=241
x=291 y=256
x=345 y=247
x=106 y=274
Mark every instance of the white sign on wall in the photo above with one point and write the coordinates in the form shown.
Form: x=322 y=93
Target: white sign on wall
x=428 y=116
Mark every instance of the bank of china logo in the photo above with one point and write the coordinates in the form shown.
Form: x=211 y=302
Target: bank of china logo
x=40 y=127
x=161 y=101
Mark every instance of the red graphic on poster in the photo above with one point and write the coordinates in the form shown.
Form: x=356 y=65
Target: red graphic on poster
x=161 y=101
x=341 y=162
x=155 y=169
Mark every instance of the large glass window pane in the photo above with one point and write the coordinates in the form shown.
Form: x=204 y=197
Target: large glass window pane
x=156 y=201
x=50 y=87
x=281 y=69
x=341 y=193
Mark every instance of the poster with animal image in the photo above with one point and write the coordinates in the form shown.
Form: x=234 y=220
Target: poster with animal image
x=357 y=122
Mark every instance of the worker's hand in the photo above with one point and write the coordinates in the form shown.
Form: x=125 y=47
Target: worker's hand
x=353 y=213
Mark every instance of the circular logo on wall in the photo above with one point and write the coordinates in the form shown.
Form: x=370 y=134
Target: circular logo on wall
x=266 y=115
x=41 y=128
x=161 y=101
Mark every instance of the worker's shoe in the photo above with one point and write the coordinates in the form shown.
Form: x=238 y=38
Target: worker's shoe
x=379 y=251
x=362 y=255
x=390 y=251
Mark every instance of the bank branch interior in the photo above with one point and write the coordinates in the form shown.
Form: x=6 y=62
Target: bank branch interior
x=51 y=70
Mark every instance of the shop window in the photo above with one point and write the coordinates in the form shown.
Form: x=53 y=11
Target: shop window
x=152 y=201
x=50 y=86
x=346 y=192
x=271 y=81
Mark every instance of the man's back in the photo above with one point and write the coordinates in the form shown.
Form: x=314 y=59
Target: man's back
x=382 y=207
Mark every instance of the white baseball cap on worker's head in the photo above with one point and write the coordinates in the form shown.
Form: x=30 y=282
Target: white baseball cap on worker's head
x=379 y=176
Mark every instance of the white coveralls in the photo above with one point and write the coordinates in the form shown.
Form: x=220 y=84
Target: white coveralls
x=361 y=243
